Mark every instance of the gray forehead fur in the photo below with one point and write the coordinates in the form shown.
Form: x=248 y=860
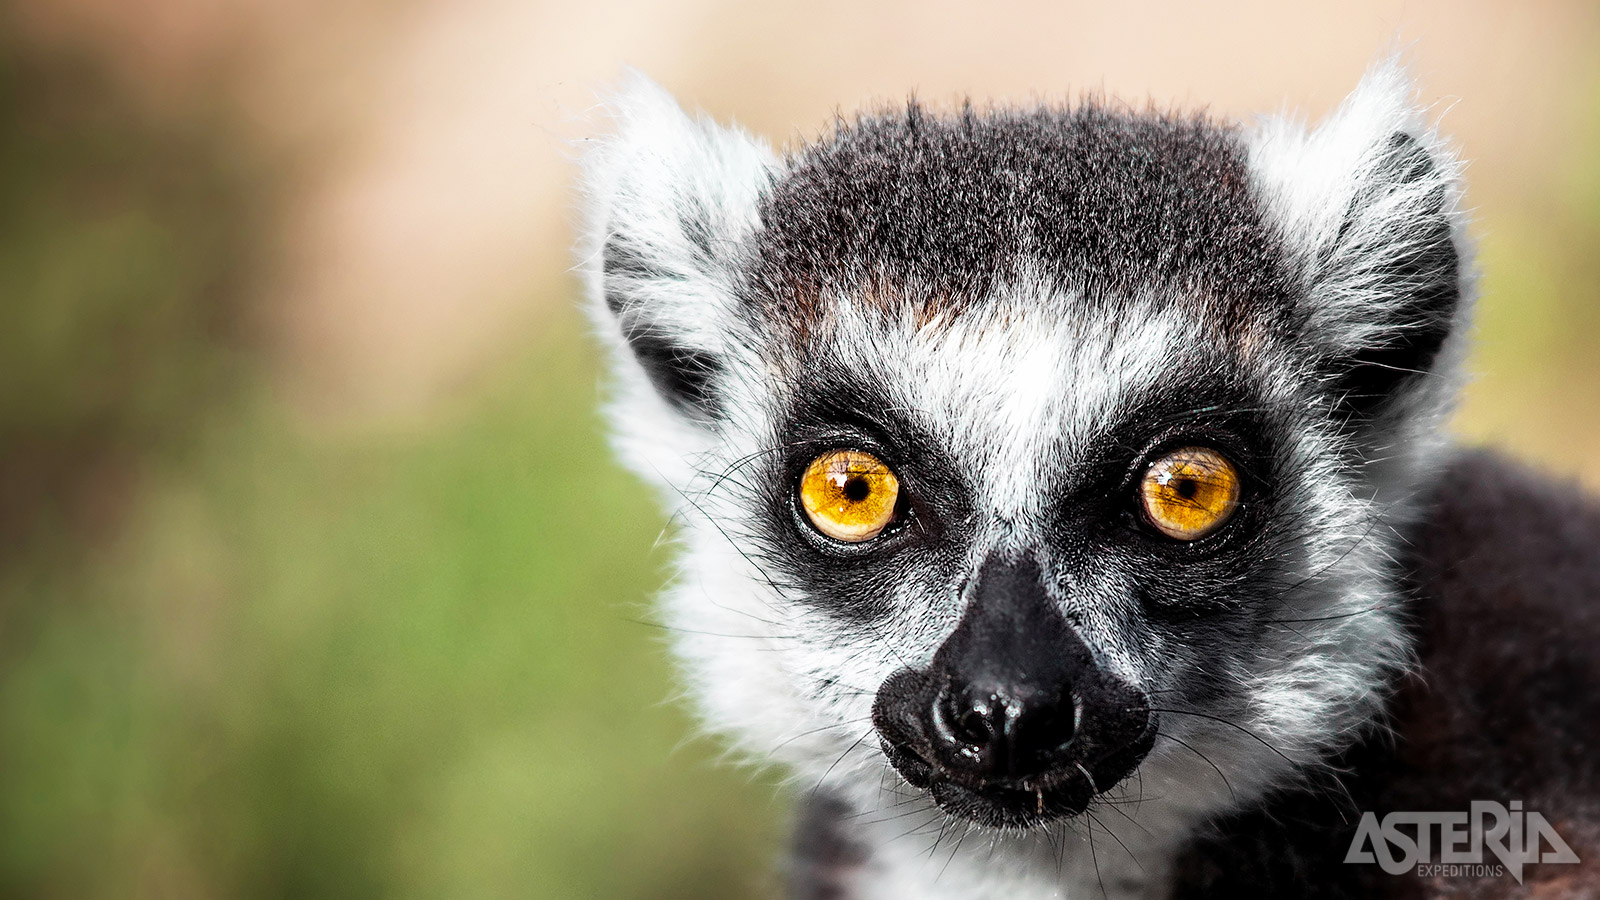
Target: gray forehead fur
x=939 y=209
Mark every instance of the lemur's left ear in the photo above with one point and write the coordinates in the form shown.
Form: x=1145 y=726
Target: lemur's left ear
x=669 y=200
x=1369 y=203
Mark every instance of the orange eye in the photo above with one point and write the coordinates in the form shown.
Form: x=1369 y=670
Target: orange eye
x=849 y=495
x=1190 y=493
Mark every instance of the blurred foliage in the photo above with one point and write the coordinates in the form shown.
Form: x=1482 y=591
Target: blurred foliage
x=288 y=664
x=1535 y=388
x=362 y=668
x=126 y=250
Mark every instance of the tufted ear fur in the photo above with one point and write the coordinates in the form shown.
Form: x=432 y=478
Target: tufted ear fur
x=669 y=200
x=1369 y=203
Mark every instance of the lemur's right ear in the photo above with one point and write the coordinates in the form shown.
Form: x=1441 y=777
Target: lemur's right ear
x=669 y=201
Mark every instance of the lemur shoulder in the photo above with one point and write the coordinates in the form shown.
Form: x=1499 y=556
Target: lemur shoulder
x=1064 y=497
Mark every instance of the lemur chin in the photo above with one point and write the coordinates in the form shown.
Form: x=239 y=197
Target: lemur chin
x=1064 y=497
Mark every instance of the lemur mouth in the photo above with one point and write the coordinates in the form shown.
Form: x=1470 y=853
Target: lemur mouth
x=1023 y=803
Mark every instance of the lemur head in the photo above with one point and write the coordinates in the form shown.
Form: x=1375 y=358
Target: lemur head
x=1017 y=452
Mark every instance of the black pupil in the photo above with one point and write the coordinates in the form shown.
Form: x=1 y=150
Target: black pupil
x=1187 y=488
x=856 y=489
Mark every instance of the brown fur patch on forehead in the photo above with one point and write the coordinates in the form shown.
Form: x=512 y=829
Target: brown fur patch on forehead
x=1107 y=206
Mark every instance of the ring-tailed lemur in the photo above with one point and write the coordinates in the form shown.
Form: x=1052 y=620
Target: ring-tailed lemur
x=1064 y=497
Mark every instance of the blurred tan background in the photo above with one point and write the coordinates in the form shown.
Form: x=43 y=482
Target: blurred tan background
x=315 y=579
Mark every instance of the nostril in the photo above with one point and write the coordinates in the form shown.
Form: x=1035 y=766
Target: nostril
x=973 y=728
x=966 y=720
x=1050 y=726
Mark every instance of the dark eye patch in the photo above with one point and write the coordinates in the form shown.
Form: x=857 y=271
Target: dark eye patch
x=835 y=409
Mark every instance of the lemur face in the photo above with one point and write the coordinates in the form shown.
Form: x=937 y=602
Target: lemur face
x=1031 y=459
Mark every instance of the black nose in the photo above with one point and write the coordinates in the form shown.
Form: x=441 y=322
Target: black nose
x=1013 y=722
x=1005 y=730
x=1007 y=701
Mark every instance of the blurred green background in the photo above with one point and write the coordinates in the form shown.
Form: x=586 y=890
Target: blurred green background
x=309 y=588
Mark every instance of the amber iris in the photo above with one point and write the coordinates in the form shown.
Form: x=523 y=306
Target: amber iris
x=849 y=495
x=1190 y=493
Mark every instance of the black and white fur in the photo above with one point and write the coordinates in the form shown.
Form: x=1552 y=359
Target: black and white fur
x=1012 y=306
